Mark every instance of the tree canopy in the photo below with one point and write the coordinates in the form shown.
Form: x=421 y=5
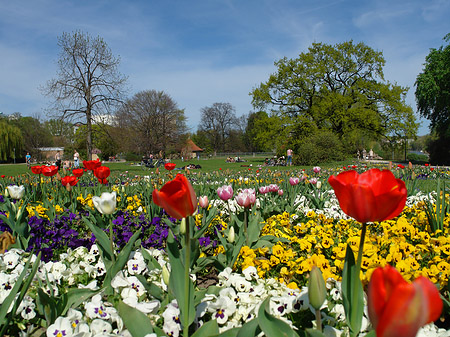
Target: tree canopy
x=340 y=88
x=153 y=122
x=433 y=100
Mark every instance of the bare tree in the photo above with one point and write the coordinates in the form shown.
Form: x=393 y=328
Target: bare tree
x=217 y=121
x=88 y=82
x=153 y=120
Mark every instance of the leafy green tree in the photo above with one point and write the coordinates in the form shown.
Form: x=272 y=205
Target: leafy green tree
x=11 y=141
x=88 y=82
x=263 y=132
x=34 y=134
x=433 y=100
x=340 y=88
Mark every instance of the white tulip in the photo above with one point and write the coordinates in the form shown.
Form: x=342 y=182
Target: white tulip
x=16 y=192
x=106 y=203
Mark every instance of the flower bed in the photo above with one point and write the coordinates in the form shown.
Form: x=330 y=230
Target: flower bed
x=74 y=294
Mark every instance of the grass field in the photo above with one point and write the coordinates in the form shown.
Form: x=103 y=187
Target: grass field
x=217 y=164
x=207 y=165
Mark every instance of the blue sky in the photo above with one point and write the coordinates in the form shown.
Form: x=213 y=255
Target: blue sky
x=206 y=51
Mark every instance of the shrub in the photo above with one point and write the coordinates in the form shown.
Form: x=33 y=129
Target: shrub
x=319 y=148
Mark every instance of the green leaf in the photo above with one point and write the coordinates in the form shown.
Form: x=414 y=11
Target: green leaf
x=152 y=262
x=314 y=333
x=103 y=241
x=208 y=329
x=137 y=323
x=250 y=329
x=74 y=297
x=272 y=326
x=177 y=281
x=352 y=293
x=19 y=285
x=152 y=289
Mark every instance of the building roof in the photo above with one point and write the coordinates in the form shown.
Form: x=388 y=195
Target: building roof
x=190 y=146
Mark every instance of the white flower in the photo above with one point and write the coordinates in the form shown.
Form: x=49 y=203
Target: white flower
x=11 y=259
x=99 y=326
x=221 y=309
x=95 y=308
x=250 y=273
x=145 y=307
x=16 y=192
x=61 y=327
x=105 y=203
x=26 y=308
x=136 y=266
x=171 y=315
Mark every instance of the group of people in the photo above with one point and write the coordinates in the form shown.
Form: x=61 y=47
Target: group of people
x=58 y=160
x=365 y=155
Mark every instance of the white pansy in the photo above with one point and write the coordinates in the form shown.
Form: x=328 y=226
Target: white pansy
x=171 y=315
x=11 y=259
x=16 y=192
x=94 y=250
x=99 y=327
x=105 y=203
x=145 y=307
x=250 y=273
x=61 y=327
x=96 y=308
x=26 y=308
x=136 y=266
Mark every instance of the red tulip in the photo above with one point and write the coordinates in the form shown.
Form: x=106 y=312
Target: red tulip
x=78 y=172
x=169 y=166
x=401 y=166
x=49 y=171
x=371 y=196
x=177 y=197
x=36 y=169
x=102 y=173
x=3 y=176
x=399 y=308
x=92 y=164
x=69 y=180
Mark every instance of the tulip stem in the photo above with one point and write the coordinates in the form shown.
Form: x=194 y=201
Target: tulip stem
x=361 y=247
x=187 y=262
x=245 y=225
x=318 y=320
x=113 y=256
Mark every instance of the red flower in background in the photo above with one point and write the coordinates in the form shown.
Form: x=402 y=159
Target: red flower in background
x=69 y=180
x=399 y=308
x=77 y=172
x=169 y=166
x=177 y=197
x=36 y=169
x=92 y=164
x=3 y=176
x=49 y=171
x=102 y=173
x=401 y=166
x=371 y=196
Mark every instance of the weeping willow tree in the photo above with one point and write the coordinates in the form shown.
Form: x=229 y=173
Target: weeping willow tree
x=11 y=141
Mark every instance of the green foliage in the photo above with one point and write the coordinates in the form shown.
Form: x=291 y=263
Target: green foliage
x=318 y=148
x=11 y=141
x=417 y=158
x=436 y=214
x=439 y=150
x=338 y=88
x=433 y=89
x=433 y=100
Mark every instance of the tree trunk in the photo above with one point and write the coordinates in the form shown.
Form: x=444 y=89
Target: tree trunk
x=89 y=133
